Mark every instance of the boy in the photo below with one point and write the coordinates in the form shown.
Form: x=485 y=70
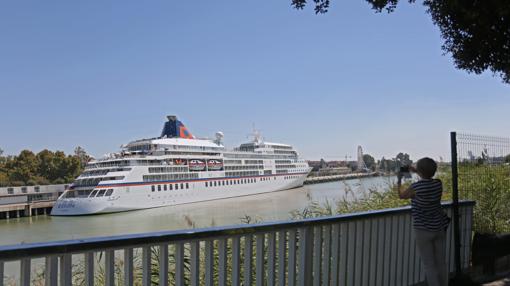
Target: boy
x=429 y=220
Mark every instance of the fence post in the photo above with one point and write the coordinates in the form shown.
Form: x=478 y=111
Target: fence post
x=455 y=205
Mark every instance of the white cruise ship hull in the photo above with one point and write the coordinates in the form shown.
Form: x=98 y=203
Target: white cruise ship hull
x=138 y=196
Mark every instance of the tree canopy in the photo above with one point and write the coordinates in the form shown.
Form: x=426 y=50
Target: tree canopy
x=45 y=167
x=369 y=161
x=475 y=33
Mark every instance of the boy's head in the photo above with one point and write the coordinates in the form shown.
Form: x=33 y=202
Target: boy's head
x=426 y=168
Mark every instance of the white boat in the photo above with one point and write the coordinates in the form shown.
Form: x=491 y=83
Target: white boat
x=177 y=168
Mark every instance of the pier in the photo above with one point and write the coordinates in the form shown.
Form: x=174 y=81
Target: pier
x=339 y=177
x=28 y=201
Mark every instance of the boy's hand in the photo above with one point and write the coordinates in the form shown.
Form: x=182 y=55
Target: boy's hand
x=412 y=169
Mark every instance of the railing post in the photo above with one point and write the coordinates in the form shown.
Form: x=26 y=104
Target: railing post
x=292 y=258
x=146 y=266
x=248 y=253
x=163 y=264
x=222 y=261
x=89 y=269
x=236 y=260
x=1 y=273
x=259 y=256
x=195 y=262
x=306 y=256
x=282 y=260
x=66 y=269
x=51 y=271
x=179 y=265
x=455 y=198
x=128 y=267
x=209 y=262
x=271 y=259
x=317 y=255
x=109 y=262
x=24 y=272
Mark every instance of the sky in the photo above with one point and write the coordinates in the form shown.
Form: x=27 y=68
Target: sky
x=98 y=74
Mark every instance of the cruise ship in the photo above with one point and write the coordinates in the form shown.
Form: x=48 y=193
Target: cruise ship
x=178 y=168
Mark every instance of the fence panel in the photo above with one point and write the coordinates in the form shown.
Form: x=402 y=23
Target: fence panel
x=371 y=248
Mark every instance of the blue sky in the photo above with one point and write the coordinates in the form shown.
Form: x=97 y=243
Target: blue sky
x=100 y=73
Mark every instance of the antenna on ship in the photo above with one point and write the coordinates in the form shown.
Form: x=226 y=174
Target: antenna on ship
x=219 y=138
x=256 y=135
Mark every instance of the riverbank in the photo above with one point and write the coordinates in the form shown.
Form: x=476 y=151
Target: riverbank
x=332 y=178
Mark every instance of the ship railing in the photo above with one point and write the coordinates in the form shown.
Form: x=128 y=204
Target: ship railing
x=368 y=248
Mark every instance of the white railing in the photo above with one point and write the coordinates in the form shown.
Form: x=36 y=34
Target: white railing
x=369 y=248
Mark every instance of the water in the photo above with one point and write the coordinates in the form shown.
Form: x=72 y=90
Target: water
x=263 y=207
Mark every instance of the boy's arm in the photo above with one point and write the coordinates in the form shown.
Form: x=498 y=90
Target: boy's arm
x=404 y=194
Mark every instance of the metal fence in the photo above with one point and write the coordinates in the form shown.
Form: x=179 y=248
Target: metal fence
x=370 y=248
x=483 y=164
x=481 y=172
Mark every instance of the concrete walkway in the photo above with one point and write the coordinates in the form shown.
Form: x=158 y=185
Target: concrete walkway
x=502 y=282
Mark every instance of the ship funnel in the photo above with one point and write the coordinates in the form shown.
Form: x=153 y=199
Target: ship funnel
x=174 y=128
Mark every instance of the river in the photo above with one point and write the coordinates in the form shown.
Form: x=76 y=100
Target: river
x=263 y=207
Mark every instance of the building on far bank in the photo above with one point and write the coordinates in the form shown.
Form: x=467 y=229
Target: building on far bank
x=330 y=168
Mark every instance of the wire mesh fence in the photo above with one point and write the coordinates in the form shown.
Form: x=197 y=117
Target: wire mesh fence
x=484 y=176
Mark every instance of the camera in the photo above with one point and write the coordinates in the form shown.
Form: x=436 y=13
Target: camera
x=404 y=169
x=405 y=172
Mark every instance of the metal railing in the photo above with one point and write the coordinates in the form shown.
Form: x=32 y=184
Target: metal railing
x=369 y=248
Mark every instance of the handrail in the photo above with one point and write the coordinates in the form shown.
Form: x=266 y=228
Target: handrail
x=40 y=249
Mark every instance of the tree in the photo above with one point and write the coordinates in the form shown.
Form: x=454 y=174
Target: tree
x=387 y=165
x=82 y=156
x=23 y=167
x=475 y=33
x=403 y=159
x=369 y=161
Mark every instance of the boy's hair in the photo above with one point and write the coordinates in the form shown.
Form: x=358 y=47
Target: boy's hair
x=426 y=167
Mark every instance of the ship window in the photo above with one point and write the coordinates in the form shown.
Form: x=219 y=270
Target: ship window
x=215 y=183
x=187 y=185
x=165 y=187
x=109 y=192
x=159 y=188
x=153 y=188
x=206 y=184
x=170 y=187
x=101 y=193
x=182 y=186
x=176 y=186
x=93 y=194
x=223 y=183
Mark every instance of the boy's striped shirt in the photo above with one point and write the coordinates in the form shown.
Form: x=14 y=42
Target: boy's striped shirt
x=426 y=206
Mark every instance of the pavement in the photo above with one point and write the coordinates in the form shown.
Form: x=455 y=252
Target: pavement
x=502 y=282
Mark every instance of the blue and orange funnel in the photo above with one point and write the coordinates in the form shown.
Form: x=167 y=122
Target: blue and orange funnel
x=175 y=129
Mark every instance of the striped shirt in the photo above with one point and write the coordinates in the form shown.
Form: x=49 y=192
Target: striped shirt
x=426 y=206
